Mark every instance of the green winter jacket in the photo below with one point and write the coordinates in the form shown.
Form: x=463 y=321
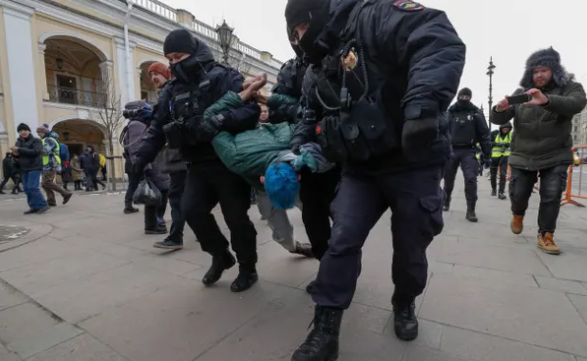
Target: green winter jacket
x=249 y=153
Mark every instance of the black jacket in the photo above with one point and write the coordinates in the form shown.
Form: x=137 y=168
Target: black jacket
x=289 y=84
x=468 y=127
x=30 y=154
x=414 y=60
x=221 y=80
x=8 y=167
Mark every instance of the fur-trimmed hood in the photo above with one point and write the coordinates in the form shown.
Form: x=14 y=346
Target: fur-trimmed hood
x=549 y=58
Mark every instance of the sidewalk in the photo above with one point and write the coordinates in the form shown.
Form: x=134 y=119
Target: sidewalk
x=85 y=284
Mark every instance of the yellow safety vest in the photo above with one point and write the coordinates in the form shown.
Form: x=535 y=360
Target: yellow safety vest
x=102 y=160
x=502 y=146
x=478 y=153
x=46 y=157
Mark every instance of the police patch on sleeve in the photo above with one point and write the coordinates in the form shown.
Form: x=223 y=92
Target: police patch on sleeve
x=406 y=5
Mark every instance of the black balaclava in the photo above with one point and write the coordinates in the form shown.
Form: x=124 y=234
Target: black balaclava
x=316 y=14
x=467 y=92
x=182 y=41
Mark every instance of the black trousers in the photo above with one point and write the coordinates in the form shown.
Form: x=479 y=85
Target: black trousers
x=415 y=199
x=317 y=191
x=465 y=158
x=176 y=190
x=552 y=185
x=15 y=180
x=205 y=187
x=502 y=164
x=152 y=212
x=133 y=183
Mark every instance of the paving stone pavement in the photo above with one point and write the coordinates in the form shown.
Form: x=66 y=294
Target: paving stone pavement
x=91 y=287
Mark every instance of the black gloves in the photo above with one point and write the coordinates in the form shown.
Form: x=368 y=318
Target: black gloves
x=138 y=166
x=209 y=128
x=419 y=134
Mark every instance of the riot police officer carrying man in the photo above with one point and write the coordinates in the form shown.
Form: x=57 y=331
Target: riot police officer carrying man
x=467 y=127
x=199 y=81
x=385 y=72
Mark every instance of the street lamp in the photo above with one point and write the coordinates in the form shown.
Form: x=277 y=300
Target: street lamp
x=490 y=73
x=225 y=36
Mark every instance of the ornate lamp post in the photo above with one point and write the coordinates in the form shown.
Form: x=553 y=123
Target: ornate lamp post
x=225 y=36
x=490 y=73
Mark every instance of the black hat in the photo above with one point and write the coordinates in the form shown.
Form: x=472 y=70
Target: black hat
x=180 y=41
x=466 y=92
x=304 y=11
x=23 y=126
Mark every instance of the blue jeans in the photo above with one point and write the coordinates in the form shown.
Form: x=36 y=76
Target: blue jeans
x=31 y=182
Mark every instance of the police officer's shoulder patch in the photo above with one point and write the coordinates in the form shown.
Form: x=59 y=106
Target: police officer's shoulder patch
x=406 y=5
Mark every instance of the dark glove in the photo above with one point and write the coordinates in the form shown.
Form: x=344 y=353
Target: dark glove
x=138 y=166
x=295 y=147
x=419 y=134
x=210 y=128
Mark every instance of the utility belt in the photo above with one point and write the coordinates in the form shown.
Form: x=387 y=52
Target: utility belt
x=358 y=134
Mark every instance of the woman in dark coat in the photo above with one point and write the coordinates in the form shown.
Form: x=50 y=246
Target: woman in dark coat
x=139 y=114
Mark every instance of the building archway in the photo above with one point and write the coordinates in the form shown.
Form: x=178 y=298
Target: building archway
x=74 y=70
x=78 y=134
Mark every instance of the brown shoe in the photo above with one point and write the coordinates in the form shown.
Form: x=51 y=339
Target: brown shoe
x=517 y=224
x=303 y=249
x=547 y=245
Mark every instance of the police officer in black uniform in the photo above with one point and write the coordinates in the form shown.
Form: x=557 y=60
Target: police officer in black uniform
x=386 y=71
x=467 y=128
x=317 y=190
x=198 y=83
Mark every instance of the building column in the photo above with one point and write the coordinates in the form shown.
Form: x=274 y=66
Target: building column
x=43 y=85
x=21 y=65
x=108 y=83
x=137 y=78
x=122 y=66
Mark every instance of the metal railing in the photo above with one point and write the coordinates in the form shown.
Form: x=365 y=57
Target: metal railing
x=577 y=180
x=202 y=28
x=65 y=95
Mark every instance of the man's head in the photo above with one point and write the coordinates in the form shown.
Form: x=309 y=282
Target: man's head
x=465 y=95
x=506 y=128
x=187 y=56
x=90 y=149
x=23 y=130
x=264 y=117
x=543 y=68
x=159 y=74
x=305 y=21
x=8 y=155
x=282 y=185
x=42 y=132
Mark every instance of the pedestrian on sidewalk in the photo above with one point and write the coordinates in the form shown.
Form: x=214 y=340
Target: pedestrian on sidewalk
x=468 y=127
x=51 y=167
x=29 y=151
x=500 y=153
x=543 y=141
x=10 y=171
x=77 y=173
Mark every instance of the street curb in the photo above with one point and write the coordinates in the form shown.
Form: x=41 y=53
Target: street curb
x=36 y=232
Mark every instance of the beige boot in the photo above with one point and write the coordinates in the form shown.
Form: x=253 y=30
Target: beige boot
x=547 y=245
x=517 y=224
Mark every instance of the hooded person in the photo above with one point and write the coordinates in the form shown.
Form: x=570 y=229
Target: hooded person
x=500 y=153
x=393 y=147
x=468 y=128
x=543 y=140
x=198 y=82
x=52 y=165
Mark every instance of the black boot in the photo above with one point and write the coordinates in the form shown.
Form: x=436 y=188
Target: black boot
x=247 y=277
x=322 y=342
x=502 y=196
x=220 y=263
x=129 y=209
x=471 y=216
x=447 y=204
x=405 y=322
x=493 y=192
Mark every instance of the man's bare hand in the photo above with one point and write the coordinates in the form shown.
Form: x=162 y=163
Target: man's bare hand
x=503 y=104
x=253 y=88
x=262 y=99
x=251 y=80
x=538 y=97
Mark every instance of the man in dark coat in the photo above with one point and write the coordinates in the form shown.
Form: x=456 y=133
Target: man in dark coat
x=468 y=127
x=9 y=171
x=542 y=142
x=29 y=151
x=384 y=119
x=198 y=83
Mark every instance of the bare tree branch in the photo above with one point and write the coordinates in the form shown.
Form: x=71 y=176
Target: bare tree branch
x=108 y=113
